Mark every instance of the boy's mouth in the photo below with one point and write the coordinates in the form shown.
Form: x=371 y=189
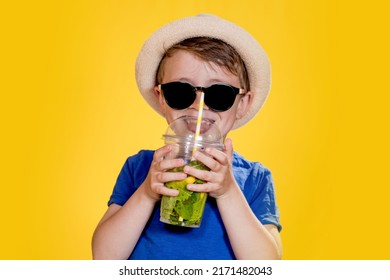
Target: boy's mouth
x=192 y=123
x=203 y=119
x=209 y=120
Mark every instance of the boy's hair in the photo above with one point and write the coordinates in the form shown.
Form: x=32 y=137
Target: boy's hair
x=210 y=50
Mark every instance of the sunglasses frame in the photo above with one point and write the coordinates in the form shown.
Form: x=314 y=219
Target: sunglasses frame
x=195 y=89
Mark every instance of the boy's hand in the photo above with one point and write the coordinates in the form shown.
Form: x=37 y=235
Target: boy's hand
x=158 y=175
x=220 y=178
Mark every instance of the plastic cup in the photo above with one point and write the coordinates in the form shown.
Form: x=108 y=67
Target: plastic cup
x=187 y=208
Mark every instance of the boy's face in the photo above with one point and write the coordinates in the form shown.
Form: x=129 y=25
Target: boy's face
x=183 y=66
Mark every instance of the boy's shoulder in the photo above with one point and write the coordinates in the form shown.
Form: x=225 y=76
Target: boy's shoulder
x=142 y=155
x=242 y=163
x=253 y=178
x=139 y=160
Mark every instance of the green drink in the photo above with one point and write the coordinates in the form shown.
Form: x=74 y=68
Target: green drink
x=186 y=209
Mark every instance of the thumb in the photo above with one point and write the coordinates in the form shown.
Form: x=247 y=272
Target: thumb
x=229 y=148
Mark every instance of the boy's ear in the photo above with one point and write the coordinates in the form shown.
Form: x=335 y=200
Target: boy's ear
x=158 y=94
x=244 y=105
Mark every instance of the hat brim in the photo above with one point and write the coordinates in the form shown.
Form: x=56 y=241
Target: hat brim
x=255 y=59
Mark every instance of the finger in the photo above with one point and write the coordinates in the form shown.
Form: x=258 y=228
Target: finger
x=206 y=187
x=198 y=173
x=170 y=163
x=161 y=153
x=171 y=176
x=206 y=159
x=218 y=156
x=163 y=190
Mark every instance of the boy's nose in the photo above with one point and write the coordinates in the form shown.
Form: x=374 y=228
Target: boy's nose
x=196 y=103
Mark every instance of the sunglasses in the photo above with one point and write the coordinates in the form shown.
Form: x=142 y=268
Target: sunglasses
x=218 y=97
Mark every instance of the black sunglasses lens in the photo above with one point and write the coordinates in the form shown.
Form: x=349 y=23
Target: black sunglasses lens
x=178 y=95
x=220 y=98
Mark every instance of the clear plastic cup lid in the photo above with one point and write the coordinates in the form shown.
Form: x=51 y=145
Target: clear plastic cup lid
x=184 y=129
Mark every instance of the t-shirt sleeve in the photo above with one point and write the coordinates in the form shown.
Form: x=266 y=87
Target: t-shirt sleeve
x=131 y=176
x=123 y=187
x=263 y=202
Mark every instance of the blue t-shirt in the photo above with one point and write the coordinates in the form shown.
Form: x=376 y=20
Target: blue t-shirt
x=210 y=241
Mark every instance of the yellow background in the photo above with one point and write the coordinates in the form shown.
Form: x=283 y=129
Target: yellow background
x=71 y=114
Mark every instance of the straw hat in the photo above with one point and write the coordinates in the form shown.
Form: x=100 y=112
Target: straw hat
x=205 y=25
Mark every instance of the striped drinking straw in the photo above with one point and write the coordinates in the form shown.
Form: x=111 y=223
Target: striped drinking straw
x=198 y=123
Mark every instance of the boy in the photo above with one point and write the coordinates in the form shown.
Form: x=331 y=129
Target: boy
x=241 y=219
